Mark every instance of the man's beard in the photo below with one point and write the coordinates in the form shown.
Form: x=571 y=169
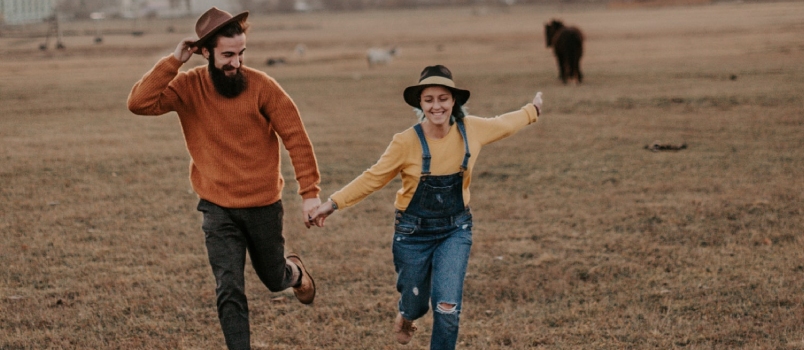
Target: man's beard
x=228 y=86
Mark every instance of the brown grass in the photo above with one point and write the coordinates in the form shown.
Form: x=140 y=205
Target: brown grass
x=583 y=239
x=632 y=4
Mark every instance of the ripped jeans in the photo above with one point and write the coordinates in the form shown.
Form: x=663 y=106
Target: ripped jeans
x=430 y=258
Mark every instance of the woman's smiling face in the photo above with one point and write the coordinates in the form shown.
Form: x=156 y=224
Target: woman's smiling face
x=437 y=103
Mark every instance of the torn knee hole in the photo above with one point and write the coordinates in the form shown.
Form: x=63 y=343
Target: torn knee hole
x=446 y=307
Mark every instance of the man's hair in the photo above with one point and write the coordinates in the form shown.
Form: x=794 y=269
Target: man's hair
x=229 y=31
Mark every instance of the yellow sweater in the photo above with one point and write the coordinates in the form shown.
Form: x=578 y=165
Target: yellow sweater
x=234 y=148
x=404 y=156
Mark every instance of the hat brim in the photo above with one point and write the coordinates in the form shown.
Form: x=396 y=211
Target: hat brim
x=198 y=44
x=413 y=93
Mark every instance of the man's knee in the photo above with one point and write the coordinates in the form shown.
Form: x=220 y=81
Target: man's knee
x=276 y=278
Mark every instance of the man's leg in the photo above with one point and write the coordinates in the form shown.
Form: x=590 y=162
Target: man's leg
x=266 y=247
x=226 y=247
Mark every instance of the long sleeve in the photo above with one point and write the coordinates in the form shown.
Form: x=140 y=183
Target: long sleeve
x=284 y=117
x=494 y=129
x=374 y=178
x=153 y=94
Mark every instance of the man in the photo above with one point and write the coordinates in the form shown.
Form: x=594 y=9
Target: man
x=232 y=117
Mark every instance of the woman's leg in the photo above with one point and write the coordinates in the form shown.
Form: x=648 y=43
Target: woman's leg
x=450 y=260
x=412 y=261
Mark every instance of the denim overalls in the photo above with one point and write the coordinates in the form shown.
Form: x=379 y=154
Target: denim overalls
x=432 y=240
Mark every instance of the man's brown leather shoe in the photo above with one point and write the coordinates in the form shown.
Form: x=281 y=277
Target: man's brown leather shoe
x=306 y=291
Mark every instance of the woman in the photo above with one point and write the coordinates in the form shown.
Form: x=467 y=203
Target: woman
x=433 y=226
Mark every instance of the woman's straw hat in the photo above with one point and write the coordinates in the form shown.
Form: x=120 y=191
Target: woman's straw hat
x=437 y=75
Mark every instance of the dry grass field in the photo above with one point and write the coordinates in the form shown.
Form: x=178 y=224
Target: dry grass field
x=583 y=238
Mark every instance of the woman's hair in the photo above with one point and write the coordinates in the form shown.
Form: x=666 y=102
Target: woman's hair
x=458 y=112
x=230 y=31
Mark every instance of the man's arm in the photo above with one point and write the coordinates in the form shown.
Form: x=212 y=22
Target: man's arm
x=152 y=95
x=285 y=119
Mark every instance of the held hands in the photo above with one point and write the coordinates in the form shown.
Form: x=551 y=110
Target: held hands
x=309 y=205
x=320 y=214
x=185 y=49
x=537 y=102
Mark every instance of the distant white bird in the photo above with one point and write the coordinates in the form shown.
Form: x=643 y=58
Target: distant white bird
x=376 y=56
x=300 y=50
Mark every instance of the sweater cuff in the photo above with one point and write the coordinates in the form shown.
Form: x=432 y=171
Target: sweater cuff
x=311 y=194
x=533 y=114
x=341 y=205
x=337 y=206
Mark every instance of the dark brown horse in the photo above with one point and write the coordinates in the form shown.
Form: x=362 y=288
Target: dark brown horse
x=567 y=43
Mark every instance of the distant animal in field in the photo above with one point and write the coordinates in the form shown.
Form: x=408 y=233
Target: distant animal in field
x=376 y=56
x=300 y=50
x=567 y=44
x=275 y=61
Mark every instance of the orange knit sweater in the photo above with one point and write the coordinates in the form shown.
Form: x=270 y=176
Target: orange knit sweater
x=233 y=142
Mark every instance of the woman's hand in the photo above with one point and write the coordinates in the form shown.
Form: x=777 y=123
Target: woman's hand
x=321 y=213
x=537 y=102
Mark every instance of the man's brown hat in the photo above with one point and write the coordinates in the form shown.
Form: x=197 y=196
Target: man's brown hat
x=211 y=21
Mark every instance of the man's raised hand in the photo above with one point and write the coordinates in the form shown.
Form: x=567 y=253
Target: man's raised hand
x=185 y=49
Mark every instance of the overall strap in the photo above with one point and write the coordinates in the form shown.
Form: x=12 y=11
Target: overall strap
x=462 y=129
x=425 y=150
